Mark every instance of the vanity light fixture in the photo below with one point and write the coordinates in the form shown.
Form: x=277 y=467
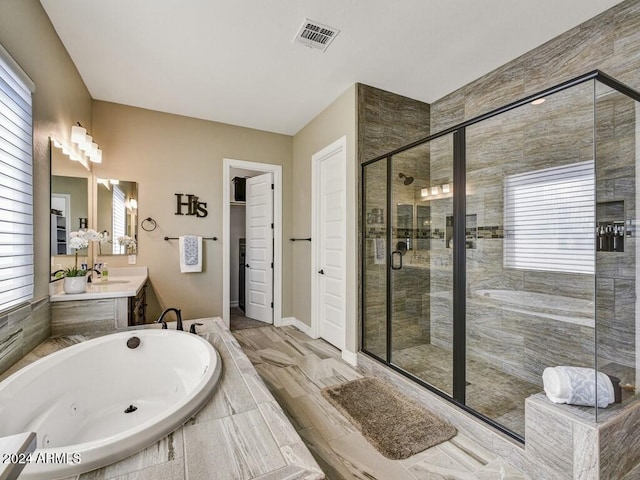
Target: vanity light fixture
x=436 y=190
x=85 y=143
x=104 y=182
x=72 y=152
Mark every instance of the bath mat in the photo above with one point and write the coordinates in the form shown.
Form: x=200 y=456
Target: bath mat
x=395 y=425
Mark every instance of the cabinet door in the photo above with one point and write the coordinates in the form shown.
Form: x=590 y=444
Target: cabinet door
x=82 y=316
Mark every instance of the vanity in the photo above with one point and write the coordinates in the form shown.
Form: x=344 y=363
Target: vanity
x=109 y=305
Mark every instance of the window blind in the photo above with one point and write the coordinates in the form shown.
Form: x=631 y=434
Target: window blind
x=549 y=219
x=16 y=185
x=119 y=215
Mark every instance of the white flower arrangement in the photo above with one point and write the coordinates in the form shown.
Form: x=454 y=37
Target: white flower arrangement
x=79 y=240
x=128 y=242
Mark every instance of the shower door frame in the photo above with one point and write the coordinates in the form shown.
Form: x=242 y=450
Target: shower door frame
x=459 y=250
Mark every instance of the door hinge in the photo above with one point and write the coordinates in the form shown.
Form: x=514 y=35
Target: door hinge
x=271 y=264
x=272 y=226
x=272 y=187
x=271 y=304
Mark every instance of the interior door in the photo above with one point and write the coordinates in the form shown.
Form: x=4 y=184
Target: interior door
x=330 y=251
x=259 y=249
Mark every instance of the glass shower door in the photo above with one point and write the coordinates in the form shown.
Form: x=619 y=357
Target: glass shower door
x=421 y=266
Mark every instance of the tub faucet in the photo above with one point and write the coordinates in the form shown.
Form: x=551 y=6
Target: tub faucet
x=178 y=317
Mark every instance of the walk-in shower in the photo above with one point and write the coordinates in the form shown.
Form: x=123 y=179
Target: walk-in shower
x=514 y=249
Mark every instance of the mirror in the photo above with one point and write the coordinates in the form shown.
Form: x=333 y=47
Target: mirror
x=69 y=211
x=117 y=214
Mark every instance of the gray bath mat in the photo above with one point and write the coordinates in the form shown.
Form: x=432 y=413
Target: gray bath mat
x=395 y=425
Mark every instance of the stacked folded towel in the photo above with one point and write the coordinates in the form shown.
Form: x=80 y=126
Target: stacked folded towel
x=576 y=386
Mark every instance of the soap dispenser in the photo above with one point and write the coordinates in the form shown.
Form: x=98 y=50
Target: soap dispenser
x=105 y=272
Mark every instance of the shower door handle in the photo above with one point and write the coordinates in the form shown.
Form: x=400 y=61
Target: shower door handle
x=393 y=265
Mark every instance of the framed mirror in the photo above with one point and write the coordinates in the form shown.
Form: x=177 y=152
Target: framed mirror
x=117 y=214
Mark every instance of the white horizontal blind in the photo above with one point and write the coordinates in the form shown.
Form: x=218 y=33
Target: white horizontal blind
x=549 y=219
x=119 y=214
x=16 y=186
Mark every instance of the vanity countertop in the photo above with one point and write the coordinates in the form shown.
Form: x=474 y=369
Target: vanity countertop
x=123 y=282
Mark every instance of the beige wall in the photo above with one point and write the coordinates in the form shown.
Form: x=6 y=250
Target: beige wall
x=336 y=121
x=168 y=154
x=60 y=100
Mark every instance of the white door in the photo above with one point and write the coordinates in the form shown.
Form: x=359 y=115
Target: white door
x=329 y=237
x=259 y=249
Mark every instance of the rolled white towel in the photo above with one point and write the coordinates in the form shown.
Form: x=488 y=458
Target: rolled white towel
x=557 y=384
x=576 y=386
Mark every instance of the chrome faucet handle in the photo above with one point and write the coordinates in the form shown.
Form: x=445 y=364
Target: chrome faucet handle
x=192 y=328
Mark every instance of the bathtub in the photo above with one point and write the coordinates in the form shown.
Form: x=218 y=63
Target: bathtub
x=76 y=399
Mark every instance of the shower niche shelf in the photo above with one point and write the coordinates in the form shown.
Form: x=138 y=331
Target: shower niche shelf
x=610 y=227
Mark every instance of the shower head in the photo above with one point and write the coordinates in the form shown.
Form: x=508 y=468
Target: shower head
x=407 y=180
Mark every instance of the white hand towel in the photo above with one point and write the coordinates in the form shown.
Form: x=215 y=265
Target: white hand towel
x=577 y=386
x=190 y=253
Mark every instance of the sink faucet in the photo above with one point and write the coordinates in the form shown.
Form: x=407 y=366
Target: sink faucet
x=90 y=274
x=178 y=317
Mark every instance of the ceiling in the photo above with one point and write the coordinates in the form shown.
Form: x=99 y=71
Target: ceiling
x=235 y=62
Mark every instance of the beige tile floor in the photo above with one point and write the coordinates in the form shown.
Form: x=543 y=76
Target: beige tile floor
x=296 y=367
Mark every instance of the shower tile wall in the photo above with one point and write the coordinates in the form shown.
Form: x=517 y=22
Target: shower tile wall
x=609 y=42
x=523 y=343
x=22 y=330
x=385 y=121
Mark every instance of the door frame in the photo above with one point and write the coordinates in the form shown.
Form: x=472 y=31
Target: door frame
x=276 y=170
x=316 y=158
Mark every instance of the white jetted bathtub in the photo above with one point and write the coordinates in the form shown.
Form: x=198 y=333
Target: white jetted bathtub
x=102 y=400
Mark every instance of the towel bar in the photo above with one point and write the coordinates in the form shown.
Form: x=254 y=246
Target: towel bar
x=300 y=239
x=204 y=238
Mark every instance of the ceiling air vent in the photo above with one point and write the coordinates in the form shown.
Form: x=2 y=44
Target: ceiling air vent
x=316 y=35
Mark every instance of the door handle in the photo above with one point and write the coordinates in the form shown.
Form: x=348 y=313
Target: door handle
x=321 y=272
x=247 y=265
x=393 y=265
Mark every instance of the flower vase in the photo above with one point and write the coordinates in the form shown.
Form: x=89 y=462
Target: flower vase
x=74 y=284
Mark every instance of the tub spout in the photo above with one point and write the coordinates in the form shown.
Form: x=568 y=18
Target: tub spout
x=178 y=318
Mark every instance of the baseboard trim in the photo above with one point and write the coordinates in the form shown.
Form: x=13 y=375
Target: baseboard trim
x=350 y=357
x=294 y=322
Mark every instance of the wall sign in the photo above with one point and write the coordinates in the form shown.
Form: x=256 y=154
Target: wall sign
x=193 y=204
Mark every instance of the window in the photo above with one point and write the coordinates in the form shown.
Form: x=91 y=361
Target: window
x=549 y=219
x=16 y=186
x=119 y=211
